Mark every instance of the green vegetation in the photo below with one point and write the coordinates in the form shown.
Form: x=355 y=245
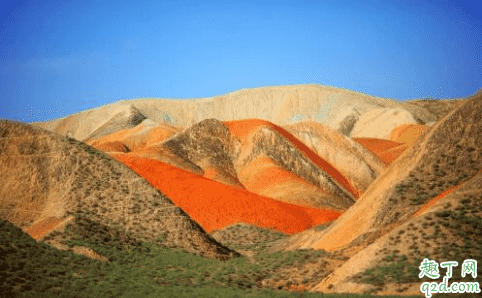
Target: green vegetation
x=399 y=270
x=464 y=223
x=322 y=227
x=135 y=268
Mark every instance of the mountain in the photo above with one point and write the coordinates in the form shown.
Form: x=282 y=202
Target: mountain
x=435 y=182
x=47 y=177
x=278 y=105
x=360 y=188
x=355 y=162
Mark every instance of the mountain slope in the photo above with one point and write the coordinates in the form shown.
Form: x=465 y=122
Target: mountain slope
x=448 y=155
x=407 y=133
x=48 y=176
x=265 y=142
x=208 y=145
x=216 y=205
x=359 y=165
x=138 y=137
x=437 y=161
x=387 y=151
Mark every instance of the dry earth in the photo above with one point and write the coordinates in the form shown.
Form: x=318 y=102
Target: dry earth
x=337 y=108
x=45 y=175
x=355 y=162
x=443 y=157
x=404 y=176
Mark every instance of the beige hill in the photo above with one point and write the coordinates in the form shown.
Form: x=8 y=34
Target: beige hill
x=138 y=137
x=95 y=123
x=379 y=123
x=279 y=105
x=442 y=158
x=46 y=176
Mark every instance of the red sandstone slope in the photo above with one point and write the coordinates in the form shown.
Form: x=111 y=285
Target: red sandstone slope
x=283 y=169
x=359 y=165
x=401 y=138
x=290 y=171
x=387 y=151
x=244 y=128
x=214 y=205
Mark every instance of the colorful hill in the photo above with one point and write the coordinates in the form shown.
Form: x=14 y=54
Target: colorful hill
x=359 y=165
x=433 y=178
x=215 y=205
x=46 y=177
x=284 y=153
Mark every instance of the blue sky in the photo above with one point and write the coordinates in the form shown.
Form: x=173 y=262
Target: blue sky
x=62 y=57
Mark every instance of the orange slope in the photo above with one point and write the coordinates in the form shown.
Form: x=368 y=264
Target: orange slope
x=215 y=205
x=387 y=151
x=215 y=174
x=264 y=177
x=242 y=129
x=46 y=226
x=430 y=203
x=166 y=156
x=43 y=227
x=407 y=133
x=262 y=173
x=390 y=155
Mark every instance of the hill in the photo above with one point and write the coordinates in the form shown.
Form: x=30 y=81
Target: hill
x=433 y=188
x=337 y=108
x=47 y=176
x=302 y=187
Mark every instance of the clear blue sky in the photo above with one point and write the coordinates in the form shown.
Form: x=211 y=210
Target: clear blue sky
x=62 y=57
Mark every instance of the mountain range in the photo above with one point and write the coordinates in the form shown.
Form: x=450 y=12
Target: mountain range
x=375 y=183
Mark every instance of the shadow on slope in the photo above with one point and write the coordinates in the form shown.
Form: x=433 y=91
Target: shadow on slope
x=207 y=144
x=94 y=123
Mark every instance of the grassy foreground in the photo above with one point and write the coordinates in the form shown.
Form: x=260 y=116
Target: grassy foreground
x=135 y=268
